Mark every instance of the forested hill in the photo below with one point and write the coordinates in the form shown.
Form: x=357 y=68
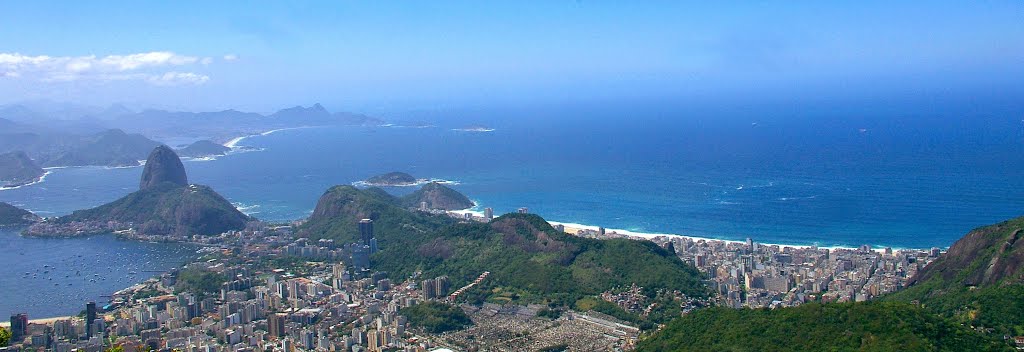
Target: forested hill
x=529 y=260
x=969 y=299
x=979 y=281
x=862 y=326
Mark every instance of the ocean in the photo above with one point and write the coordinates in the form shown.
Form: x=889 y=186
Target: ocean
x=57 y=276
x=829 y=178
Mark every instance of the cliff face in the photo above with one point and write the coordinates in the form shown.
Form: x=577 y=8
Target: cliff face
x=165 y=204
x=16 y=168
x=984 y=257
x=979 y=282
x=437 y=196
x=163 y=165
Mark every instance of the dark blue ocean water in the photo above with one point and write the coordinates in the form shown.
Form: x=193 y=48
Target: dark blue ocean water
x=886 y=177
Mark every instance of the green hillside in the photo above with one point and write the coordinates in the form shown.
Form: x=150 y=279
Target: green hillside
x=529 y=260
x=978 y=282
x=864 y=326
x=169 y=209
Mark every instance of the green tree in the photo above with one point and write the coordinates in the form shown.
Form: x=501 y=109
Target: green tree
x=5 y=337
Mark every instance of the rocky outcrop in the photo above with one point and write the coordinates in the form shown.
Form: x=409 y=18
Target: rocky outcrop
x=165 y=205
x=985 y=256
x=163 y=165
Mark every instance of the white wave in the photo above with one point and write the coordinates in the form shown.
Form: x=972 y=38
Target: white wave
x=419 y=182
x=246 y=209
x=204 y=158
x=474 y=129
x=648 y=236
x=784 y=199
x=40 y=180
x=391 y=125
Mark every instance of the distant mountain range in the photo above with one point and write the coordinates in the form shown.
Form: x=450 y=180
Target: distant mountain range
x=71 y=135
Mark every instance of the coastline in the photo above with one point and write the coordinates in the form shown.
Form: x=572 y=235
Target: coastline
x=233 y=143
x=574 y=228
x=50 y=320
x=36 y=181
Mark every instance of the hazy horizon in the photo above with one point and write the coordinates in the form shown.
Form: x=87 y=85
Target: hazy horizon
x=378 y=57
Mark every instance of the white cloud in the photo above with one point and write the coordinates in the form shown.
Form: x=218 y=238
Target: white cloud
x=230 y=57
x=148 y=67
x=176 y=78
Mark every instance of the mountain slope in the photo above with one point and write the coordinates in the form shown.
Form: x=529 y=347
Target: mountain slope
x=163 y=165
x=437 y=196
x=979 y=281
x=165 y=204
x=168 y=209
x=109 y=148
x=528 y=259
x=13 y=216
x=862 y=326
x=16 y=168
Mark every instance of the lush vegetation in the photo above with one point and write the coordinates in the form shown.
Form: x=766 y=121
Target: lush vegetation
x=5 y=337
x=978 y=282
x=437 y=196
x=863 y=326
x=169 y=209
x=529 y=261
x=13 y=216
x=199 y=282
x=391 y=178
x=436 y=317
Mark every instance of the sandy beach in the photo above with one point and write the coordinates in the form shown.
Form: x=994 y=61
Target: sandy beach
x=7 y=323
x=574 y=228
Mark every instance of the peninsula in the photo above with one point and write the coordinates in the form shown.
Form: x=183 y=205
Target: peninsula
x=166 y=207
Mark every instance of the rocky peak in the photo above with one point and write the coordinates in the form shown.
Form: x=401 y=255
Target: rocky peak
x=163 y=165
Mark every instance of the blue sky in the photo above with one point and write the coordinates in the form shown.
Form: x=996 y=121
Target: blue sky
x=369 y=55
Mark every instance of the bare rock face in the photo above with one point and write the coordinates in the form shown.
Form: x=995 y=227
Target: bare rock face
x=163 y=165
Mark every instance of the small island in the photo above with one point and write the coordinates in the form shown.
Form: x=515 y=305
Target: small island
x=392 y=179
x=434 y=195
x=202 y=149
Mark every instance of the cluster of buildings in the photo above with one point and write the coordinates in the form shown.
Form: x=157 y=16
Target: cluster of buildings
x=331 y=300
x=259 y=307
x=751 y=274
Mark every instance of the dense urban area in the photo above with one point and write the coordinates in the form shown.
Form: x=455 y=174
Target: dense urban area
x=263 y=288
